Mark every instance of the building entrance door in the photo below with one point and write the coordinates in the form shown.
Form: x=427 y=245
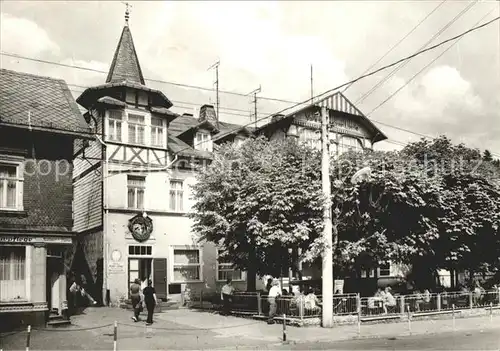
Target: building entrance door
x=160 y=277
x=139 y=268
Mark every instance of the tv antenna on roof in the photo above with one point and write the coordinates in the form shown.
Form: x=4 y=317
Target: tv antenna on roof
x=216 y=83
x=254 y=101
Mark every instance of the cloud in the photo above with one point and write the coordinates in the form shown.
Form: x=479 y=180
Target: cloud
x=25 y=37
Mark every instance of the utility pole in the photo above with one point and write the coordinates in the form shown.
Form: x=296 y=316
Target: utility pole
x=327 y=262
x=216 y=83
x=254 y=101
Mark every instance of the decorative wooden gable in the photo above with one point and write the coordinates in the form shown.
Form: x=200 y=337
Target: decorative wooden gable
x=338 y=102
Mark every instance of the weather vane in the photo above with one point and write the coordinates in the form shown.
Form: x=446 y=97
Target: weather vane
x=127 y=11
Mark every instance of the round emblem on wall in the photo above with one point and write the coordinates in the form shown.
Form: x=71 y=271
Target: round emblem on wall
x=141 y=227
x=116 y=255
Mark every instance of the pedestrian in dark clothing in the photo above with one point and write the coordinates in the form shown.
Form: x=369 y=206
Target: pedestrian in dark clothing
x=150 y=300
x=135 y=296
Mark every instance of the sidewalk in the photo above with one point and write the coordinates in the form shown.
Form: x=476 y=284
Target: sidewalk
x=234 y=327
x=194 y=330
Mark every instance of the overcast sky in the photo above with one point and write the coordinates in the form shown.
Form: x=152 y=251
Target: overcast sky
x=273 y=44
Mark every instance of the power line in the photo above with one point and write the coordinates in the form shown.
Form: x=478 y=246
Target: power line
x=394 y=71
x=423 y=69
x=147 y=79
x=400 y=41
x=342 y=85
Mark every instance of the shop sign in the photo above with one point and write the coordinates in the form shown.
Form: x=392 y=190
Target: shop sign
x=14 y=239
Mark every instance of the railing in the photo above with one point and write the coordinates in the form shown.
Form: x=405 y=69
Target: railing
x=353 y=304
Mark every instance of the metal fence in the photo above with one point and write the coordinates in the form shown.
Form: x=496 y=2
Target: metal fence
x=353 y=304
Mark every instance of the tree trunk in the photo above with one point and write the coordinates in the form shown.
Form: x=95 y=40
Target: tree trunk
x=251 y=273
x=251 y=279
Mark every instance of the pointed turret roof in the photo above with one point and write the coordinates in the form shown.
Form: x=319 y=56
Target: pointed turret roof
x=125 y=65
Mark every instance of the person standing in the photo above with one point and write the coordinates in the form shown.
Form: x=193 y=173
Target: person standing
x=226 y=295
x=150 y=300
x=274 y=293
x=135 y=296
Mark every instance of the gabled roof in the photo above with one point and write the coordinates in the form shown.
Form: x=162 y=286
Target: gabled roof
x=178 y=147
x=125 y=65
x=42 y=103
x=186 y=122
x=207 y=125
x=336 y=102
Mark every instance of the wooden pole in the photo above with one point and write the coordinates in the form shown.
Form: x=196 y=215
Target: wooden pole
x=284 y=327
x=453 y=315
x=327 y=264
x=115 y=336
x=28 y=338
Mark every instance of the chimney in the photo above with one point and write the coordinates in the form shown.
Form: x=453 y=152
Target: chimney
x=207 y=113
x=276 y=117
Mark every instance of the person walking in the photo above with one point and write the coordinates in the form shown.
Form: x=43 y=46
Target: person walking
x=150 y=300
x=226 y=295
x=135 y=296
x=274 y=293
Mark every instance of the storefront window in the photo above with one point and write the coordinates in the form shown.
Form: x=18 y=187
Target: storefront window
x=12 y=273
x=187 y=265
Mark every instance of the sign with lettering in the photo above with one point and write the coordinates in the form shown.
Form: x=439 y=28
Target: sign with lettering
x=16 y=239
x=116 y=267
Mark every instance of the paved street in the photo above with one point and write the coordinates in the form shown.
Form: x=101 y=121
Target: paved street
x=185 y=329
x=472 y=340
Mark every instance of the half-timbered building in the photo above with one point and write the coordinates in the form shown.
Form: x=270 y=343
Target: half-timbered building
x=132 y=187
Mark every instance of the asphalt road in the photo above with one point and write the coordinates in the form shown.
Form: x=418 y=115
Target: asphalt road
x=471 y=340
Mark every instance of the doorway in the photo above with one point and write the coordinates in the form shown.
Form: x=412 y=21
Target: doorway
x=139 y=268
x=53 y=273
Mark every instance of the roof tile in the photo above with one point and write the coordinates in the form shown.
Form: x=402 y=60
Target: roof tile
x=27 y=99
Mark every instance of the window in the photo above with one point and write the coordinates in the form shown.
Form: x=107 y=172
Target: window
x=203 y=142
x=187 y=265
x=367 y=273
x=115 y=125
x=136 y=129
x=140 y=250
x=348 y=143
x=157 y=131
x=310 y=137
x=12 y=273
x=136 y=186
x=176 y=196
x=385 y=270
x=226 y=270
x=11 y=186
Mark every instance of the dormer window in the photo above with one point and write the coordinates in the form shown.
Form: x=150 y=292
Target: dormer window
x=203 y=141
x=158 y=131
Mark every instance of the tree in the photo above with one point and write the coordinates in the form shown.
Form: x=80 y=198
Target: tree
x=257 y=201
x=487 y=156
x=467 y=216
x=434 y=205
